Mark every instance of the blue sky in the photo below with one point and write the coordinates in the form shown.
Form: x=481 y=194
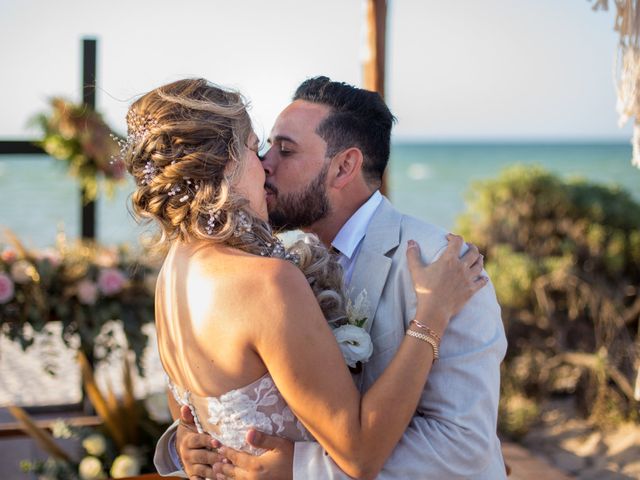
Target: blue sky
x=457 y=69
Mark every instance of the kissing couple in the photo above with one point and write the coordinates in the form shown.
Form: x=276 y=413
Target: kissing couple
x=370 y=348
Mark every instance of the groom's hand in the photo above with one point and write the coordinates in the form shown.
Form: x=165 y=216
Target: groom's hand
x=275 y=464
x=196 y=450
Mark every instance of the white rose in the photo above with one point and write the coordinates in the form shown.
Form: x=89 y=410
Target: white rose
x=355 y=344
x=95 y=444
x=125 y=466
x=91 y=469
x=60 y=429
x=22 y=272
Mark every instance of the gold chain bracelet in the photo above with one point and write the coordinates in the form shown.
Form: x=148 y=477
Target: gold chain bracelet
x=427 y=329
x=429 y=339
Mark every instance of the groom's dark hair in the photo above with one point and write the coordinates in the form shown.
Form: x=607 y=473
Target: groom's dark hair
x=359 y=118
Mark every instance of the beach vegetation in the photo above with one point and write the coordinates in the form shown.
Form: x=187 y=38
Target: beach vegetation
x=564 y=257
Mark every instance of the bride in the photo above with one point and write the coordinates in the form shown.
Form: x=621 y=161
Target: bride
x=244 y=326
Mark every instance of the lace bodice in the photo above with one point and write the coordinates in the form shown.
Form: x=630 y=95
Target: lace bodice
x=229 y=417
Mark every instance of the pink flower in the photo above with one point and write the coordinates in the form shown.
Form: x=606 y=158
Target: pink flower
x=87 y=292
x=111 y=281
x=8 y=255
x=6 y=288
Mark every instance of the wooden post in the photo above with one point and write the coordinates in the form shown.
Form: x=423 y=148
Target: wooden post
x=374 y=65
x=88 y=223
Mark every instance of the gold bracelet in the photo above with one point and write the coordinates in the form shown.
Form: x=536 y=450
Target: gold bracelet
x=429 y=339
x=427 y=329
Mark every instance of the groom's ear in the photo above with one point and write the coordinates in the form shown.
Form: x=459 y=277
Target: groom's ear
x=346 y=166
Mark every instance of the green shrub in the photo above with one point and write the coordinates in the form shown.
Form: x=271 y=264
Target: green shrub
x=564 y=257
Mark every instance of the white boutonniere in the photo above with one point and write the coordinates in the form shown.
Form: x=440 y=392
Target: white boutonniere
x=354 y=341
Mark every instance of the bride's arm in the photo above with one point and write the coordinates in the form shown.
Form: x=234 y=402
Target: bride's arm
x=301 y=354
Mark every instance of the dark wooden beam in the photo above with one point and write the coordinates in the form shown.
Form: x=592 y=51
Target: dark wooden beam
x=89 y=60
x=19 y=147
x=89 y=72
x=15 y=429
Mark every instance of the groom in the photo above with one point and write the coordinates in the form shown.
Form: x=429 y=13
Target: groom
x=329 y=149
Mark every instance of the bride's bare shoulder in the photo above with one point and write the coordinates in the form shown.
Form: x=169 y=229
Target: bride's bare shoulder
x=232 y=268
x=270 y=273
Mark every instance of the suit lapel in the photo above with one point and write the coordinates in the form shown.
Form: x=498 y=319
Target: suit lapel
x=372 y=265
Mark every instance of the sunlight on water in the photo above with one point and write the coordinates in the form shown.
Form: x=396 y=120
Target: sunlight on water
x=418 y=171
x=426 y=181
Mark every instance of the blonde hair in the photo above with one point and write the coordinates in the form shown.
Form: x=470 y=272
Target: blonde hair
x=191 y=135
x=194 y=136
x=325 y=277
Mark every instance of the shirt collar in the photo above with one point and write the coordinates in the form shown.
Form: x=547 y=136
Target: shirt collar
x=353 y=231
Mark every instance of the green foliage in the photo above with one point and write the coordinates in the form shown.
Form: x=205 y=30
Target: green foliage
x=517 y=414
x=513 y=274
x=564 y=257
x=78 y=136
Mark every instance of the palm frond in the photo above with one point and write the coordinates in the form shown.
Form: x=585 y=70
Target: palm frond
x=99 y=402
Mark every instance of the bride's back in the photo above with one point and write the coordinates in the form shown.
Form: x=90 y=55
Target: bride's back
x=204 y=311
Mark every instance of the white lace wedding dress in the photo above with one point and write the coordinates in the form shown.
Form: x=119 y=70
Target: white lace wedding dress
x=229 y=417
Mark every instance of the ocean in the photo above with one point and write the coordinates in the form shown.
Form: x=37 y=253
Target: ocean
x=428 y=181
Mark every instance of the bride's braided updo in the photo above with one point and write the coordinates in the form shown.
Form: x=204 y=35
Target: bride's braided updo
x=184 y=146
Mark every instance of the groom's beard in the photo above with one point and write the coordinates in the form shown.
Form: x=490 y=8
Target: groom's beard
x=300 y=209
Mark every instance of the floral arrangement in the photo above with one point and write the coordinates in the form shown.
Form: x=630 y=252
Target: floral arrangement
x=121 y=447
x=79 y=136
x=354 y=341
x=84 y=286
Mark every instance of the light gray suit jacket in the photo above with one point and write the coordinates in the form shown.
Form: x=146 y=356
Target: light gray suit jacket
x=453 y=434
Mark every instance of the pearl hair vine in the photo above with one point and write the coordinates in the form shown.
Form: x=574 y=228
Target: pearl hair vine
x=138 y=127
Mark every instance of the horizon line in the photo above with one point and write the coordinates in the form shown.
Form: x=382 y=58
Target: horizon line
x=512 y=141
x=415 y=140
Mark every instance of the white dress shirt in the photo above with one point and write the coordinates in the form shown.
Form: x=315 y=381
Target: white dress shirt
x=349 y=239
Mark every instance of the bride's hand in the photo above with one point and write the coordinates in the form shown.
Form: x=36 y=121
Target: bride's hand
x=444 y=287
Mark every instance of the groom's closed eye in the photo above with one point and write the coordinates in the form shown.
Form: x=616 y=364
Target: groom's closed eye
x=283 y=143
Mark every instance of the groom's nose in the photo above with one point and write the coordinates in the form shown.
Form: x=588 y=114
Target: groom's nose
x=268 y=162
